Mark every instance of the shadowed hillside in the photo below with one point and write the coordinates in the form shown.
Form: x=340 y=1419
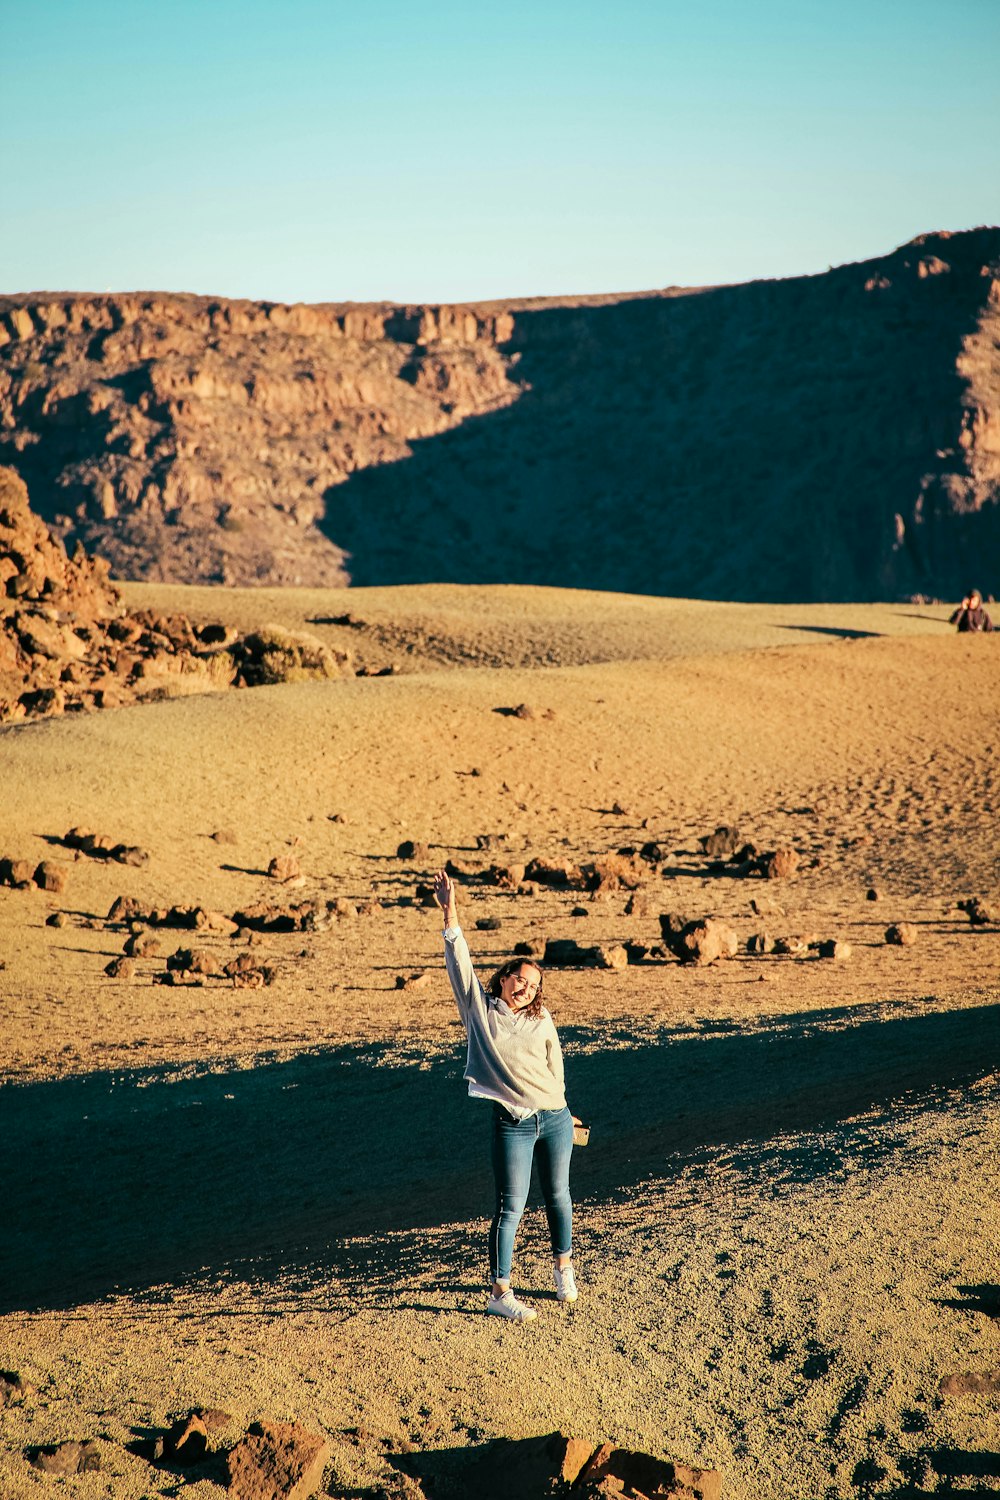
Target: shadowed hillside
x=835 y=436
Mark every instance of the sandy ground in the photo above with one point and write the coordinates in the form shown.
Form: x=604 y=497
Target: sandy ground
x=275 y=1200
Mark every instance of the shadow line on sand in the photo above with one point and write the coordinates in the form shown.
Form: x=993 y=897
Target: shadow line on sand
x=146 y=1179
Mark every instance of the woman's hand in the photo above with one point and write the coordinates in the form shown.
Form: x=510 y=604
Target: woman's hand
x=577 y=1120
x=444 y=895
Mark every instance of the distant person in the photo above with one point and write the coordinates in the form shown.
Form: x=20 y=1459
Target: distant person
x=515 y=1061
x=970 y=616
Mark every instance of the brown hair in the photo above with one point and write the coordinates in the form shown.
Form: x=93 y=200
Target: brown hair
x=512 y=966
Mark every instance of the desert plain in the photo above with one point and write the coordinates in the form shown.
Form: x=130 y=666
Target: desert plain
x=274 y=1200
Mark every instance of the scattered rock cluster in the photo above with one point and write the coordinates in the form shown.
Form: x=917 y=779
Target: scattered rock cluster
x=19 y=875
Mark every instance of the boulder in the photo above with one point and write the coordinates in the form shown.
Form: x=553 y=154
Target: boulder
x=566 y=953
x=142 y=945
x=14 y=1389
x=615 y=872
x=120 y=968
x=187 y=1441
x=129 y=854
x=619 y=1471
x=488 y=924
x=560 y=873
x=779 y=864
x=16 y=873
x=834 y=948
x=702 y=942
x=671 y=925
x=637 y=905
x=63 y=1460
x=57 y=919
x=277 y=1461
x=901 y=934
x=193 y=961
x=413 y=850
x=793 y=947
x=722 y=843
x=284 y=867
x=49 y=876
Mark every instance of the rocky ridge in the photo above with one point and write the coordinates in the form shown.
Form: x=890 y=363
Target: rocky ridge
x=833 y=436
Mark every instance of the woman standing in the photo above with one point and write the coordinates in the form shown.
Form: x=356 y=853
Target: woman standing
x=514 y=1060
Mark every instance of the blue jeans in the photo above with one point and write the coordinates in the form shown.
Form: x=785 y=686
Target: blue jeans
x=546 y=1137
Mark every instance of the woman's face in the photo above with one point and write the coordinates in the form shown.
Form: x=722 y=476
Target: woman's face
x=519 y=989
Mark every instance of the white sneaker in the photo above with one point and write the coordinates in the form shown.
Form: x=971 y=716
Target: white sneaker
x=507 y=1306
x=565 y=1283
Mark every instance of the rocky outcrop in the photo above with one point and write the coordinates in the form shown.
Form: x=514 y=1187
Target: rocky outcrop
x=833 y=436
x=67 y=643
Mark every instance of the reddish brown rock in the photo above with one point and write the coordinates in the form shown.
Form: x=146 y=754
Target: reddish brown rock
x=703 y=942
x=277 y=1461
x=618 y=1471
x=566 y=953
x=50 y=876
x=615 y=872
x=193 y=961
x=983 y=1383
x=901 y=934
x=722 y=843
x=142 y=945
x=14 y=1389
x=284 y=867
x=66 y=1459
x=560 y=873
x=187 y=1441
x=16 y=873
x=120 y=968
x=413 y=850
x=780 y=864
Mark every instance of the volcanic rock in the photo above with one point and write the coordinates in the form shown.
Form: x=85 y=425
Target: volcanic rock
x=834 y=948
x=284 y=867
x=565 y=953
x=16 y=873
x=193 y=961
x=901 y=934
x=722 y=843
x=142 y=945
x=14 y=1389
x=50 y=876
x=120 y=968
x=66 y=1459
x=980 y=912
x=701 y=942
x=277 y=1461
x=412 y=849
x=560 y=873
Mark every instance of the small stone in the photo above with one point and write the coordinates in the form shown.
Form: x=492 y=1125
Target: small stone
x=224 y=836
x=527 y=950
x=834 y=948
x=760 y=942
x=488 y=924
x=793 y=947
x=193 y=961
x=873 y=893
x=979 y=912
x=50 y=877
x=722 y=843
x=901 y=934
x=414 y=851
x=120 y=968
x=414 y=981
x=129 y=854
x=57 y=919
x=284 y=867
x=636 y=905
x=142 y=945
x=579 y=911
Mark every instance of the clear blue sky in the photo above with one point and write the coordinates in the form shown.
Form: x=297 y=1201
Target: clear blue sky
x=421 y=150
